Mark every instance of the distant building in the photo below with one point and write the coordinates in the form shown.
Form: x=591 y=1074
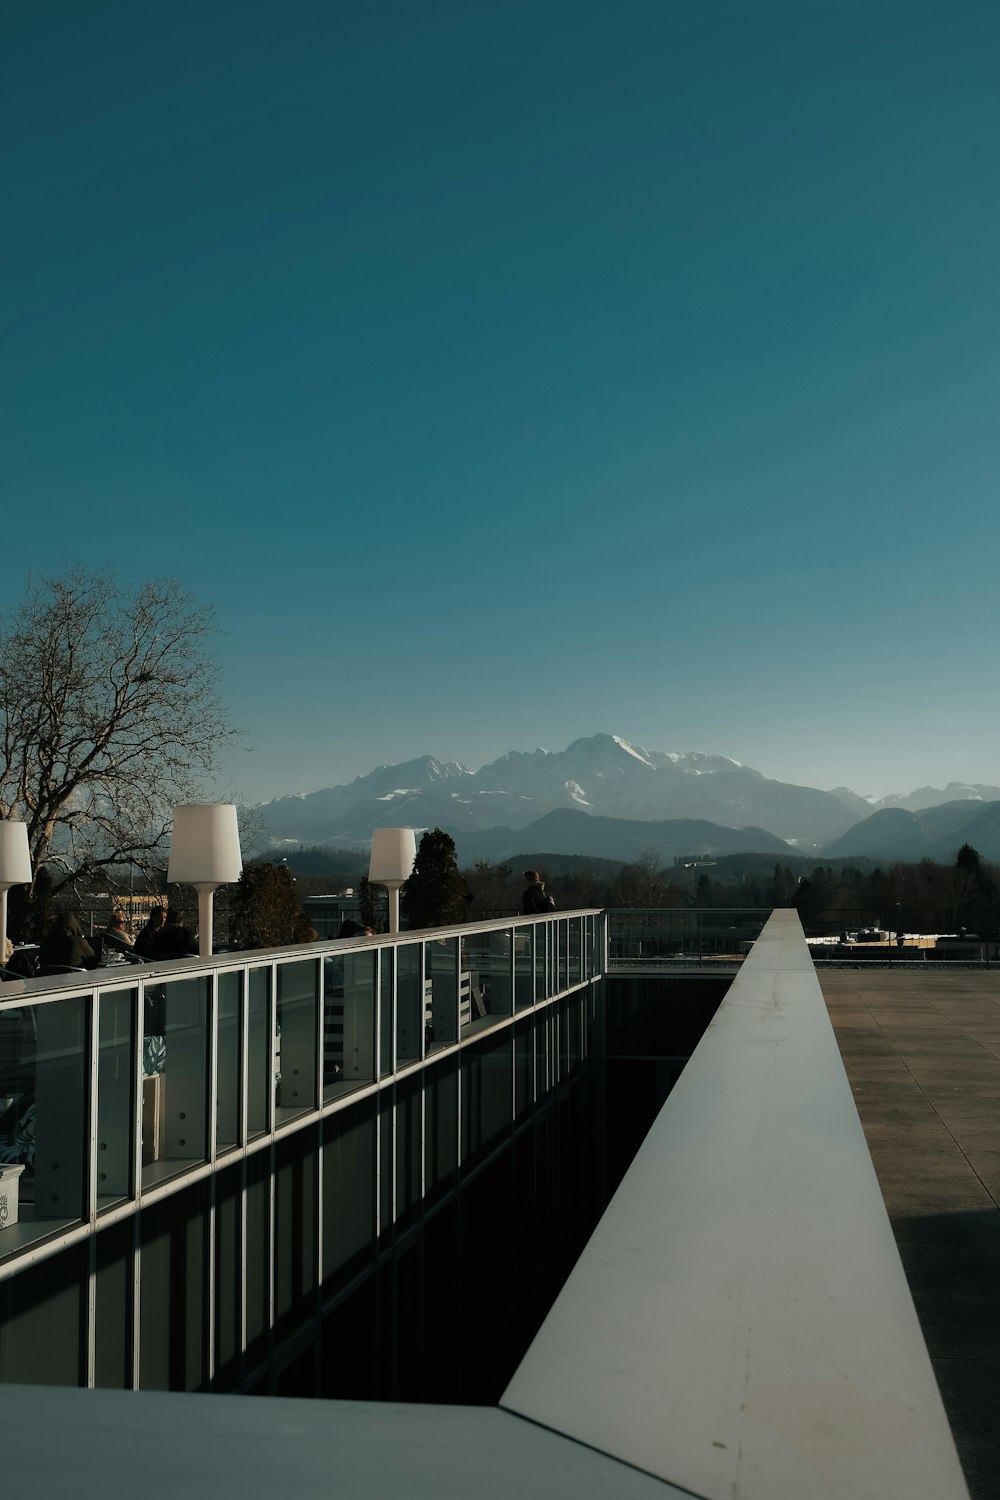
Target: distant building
x=326 y=913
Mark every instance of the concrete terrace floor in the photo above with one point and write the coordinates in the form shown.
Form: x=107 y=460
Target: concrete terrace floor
x=922 y=1053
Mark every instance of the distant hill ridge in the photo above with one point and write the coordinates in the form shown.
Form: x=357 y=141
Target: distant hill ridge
x=569 y=831
x=932 y=833
x=603 y=776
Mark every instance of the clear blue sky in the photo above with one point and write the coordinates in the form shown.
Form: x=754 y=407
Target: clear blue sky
x=510 y=370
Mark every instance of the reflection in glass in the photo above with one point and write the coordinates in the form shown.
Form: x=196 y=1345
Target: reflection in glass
x=485 y=984
x=42 y=1312
x=173 y=1290
x=228 y=1278
x=409 y=1003
x=260 y=1052
x=408 y=1153
x=175 y=1098
x=116 y=1081
x=298 y=998
x=348 y=1020
x=543 y=959
x=230 y=1007
x=348 y=1192
x=441 y=1129
x=113 y=1307
x=575 y=949
x=385 y=961
x=258 y=1258
x=386 y=1156
x=441 y=964
x=486 y=1095
x=294 y=1231
x=524 y=1068
x=524 y=964
x=58 y=1138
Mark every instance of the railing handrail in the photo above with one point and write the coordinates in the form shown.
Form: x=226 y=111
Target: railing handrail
x=740 y=1323
x=187 y=967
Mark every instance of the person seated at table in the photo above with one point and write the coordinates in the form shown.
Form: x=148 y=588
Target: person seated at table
x=146 y=940
x=115 y=945
x=173 y=939
x=64 y=944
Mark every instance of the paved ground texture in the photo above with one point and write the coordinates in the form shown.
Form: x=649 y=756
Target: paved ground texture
x=922 y=1052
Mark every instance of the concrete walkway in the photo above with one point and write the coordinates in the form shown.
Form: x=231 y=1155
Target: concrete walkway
x=922 y=1053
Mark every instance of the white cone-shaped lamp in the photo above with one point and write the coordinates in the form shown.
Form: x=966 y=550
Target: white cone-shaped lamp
x=393 y=853
x=205 y=853
x=15 y=869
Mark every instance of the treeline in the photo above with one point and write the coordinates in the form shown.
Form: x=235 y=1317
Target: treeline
x=265 y=907
x=828 y=896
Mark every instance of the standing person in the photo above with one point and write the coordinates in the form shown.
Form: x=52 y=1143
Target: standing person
x=535 y=902
x=145 y=943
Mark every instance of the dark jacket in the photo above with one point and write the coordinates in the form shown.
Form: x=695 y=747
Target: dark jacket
x=64 y=943
x=173 y=941
x=535 y=901
x=145 y=942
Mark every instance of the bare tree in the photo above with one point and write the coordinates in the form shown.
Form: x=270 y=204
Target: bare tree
x=109 y=716
x=643 y=883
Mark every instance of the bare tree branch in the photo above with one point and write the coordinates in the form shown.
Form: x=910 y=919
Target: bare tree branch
x=109 y=716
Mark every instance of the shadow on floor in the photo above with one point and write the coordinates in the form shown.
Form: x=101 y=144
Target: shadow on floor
x=952 y=1263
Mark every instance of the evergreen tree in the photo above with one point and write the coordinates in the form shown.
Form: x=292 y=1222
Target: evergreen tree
x=372 y=901
x=269 y=912
x=436 y=894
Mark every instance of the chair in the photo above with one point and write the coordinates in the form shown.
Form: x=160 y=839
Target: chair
x=23 y=960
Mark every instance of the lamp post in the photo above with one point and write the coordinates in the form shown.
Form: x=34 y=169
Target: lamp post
x=15 y=869
x=205 y=853
x=393 y=853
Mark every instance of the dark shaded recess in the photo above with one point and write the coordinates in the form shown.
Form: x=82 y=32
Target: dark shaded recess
x=653 y=1026
x=951 y=1261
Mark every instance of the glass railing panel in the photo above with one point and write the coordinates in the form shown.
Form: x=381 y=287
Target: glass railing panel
x=441 y=993
x=44 y=1112
x=297 y=1011
x=409 y=1156
x=229 y=1006
x=386 y=1170
x=485 y=988
x=116 y=1085
x=349 y=1156
x=385 y=1021
x=348 y=1021
x=575 y=950
x=543 y=959
x=258 y=1257
x=175 y=1079
x=295 y=1229
x=113 y=1312
x=680 y=939
x=440 y=1129
x=563 y=926
x=524 y=966
x=410 y=1003
x=487 y=1096
x=524 y=1067
x=228 y=1277
x=260 y=1052
x=543 y=1081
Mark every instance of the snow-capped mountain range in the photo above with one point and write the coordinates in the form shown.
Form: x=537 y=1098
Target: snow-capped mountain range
x=603 y=774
